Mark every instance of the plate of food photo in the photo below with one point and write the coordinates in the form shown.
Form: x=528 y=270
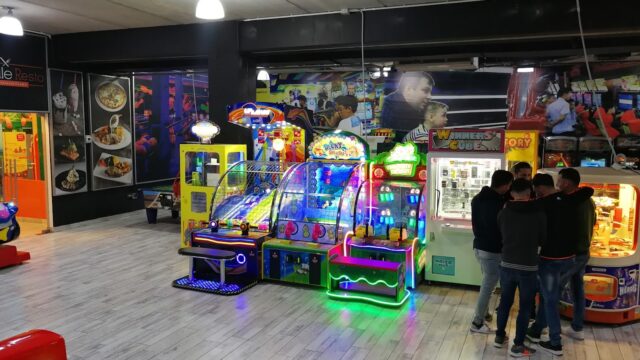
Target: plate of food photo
x=112 y=136
x=114 y=168
x=69 y=150
x=71 y=180
x=111 y=96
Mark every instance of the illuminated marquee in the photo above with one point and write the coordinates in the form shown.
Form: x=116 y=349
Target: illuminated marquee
x=339 y=145
x=402 y=160
x=466 y=140
x=247 y=114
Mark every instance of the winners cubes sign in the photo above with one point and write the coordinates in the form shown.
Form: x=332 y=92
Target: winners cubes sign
x=23 y=76
x=466 y=140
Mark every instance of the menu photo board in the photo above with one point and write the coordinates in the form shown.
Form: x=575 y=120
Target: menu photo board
x=68 y=137
x=466 y=140
x=111 y=145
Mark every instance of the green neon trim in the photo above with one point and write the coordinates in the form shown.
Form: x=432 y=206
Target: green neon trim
x=346 y=277
x=365 y=298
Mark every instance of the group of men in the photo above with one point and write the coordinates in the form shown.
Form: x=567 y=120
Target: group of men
x=534 y=238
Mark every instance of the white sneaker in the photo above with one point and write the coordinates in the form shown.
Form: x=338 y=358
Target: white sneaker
x=484 y=329
x=577 y=335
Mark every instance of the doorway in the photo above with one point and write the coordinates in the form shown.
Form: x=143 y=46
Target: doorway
x=24 y=167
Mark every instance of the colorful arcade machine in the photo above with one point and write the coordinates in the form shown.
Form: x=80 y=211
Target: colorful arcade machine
x=240 y=221
x=390 y=225
x=611 y=278
x=313 y=209
x=560 y=151
x=200 y=168
x=460 y=163
x=274 y=139
x=521 y=146
x=594 y=151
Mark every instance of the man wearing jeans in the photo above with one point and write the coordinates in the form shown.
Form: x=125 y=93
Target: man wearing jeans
x=557 y=257
x=487 y=242
x=586 y=213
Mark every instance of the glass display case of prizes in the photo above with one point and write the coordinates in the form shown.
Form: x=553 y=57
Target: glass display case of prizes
x=389 y=233
x=560 y=151
x=274 y=139
x=460 y=162
x=313 y=209
x=611 y=276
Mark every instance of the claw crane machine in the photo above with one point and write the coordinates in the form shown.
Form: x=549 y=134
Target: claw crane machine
x=611 y=277
x=460 y=162
x=201 y=167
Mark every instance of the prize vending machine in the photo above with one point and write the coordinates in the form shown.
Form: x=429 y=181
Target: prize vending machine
x=390 y=223
x=313 y=210
x=274 y=139
x=201 y=167
x=521 y=146
x=611 y=276
x=594 y=151
x=560 y=151
x=460 y=162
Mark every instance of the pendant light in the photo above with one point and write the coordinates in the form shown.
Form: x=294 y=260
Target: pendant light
x=209 y=10
x=10 y=25
x=263 y=75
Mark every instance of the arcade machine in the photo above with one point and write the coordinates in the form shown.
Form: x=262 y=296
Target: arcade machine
x=560 y=151
x=274 y=139
x=200 y=167
x=594 y=151
x=313 y=209
x=460 y=163
x=390 y=225
x=611 y=278
x=521 y=146
x=240 y=221
x=628 y=149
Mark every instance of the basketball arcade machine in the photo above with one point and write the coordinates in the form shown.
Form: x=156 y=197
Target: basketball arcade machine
x=460 y=163
x=313 y=210
x=387 y=252
x=611 y=277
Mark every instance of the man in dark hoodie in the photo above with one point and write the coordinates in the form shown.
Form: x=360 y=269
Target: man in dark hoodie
x=557 y=257
x=523 y=226
x=487 y=242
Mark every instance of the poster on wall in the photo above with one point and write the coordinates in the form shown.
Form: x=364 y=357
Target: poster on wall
x=23 y=74
x=111 y=136
x=412 y=101
x=67 y=130
x=165 y=108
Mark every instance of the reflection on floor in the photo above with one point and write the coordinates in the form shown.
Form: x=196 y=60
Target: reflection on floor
x=31 y=226
x=105 y=285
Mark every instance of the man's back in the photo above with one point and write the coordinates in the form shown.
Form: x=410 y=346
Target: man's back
x=484 y=219
x=523 y=226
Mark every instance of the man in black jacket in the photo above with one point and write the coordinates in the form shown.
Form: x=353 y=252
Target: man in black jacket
x=487 y=242
x=523 y=225
x=557 y=257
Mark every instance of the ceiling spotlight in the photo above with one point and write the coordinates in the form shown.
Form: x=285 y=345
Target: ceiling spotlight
x=209 y=10
x=10 y=25
x=263 y=75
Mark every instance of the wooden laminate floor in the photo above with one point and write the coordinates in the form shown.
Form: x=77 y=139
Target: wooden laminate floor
x=105 y=285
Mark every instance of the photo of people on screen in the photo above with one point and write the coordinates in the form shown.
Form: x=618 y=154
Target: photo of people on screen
x=344 y=117
x=404 y=109
x=435 y=117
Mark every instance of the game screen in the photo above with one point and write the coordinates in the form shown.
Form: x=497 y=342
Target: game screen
x=457 y=181
x=392 y=204
x=625 y=102
x=316 y=196
x=247 y=194
x=587 y=99
x=592 y=162
x=614 y=234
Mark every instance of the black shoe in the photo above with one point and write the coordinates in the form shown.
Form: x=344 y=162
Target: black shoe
x=521 y=351
x=488 y=317
x=553 y=349
x=500 y=341
x=533 y=335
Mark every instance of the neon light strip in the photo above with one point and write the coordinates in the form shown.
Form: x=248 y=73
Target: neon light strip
x=344 y=243
x=376 y=283
x=413 y=274
x=378 y=247
x=225 y=242
x=225 y=238
x=365 y=298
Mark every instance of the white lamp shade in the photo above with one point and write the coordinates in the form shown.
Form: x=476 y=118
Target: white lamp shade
x=263 y=75
x=205 y=130
x=209 y=10
x=10 y=25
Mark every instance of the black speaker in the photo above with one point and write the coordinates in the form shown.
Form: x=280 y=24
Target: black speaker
x=315 y=269
x=274 y=264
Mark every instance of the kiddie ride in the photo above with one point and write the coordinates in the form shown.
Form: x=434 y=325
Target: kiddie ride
x=9 y=231
x=386 y=254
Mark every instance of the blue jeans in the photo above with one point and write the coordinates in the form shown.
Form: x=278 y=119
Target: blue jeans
x=526 y=283
x=575 y=279
x=550 y=273
x=490 y=267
